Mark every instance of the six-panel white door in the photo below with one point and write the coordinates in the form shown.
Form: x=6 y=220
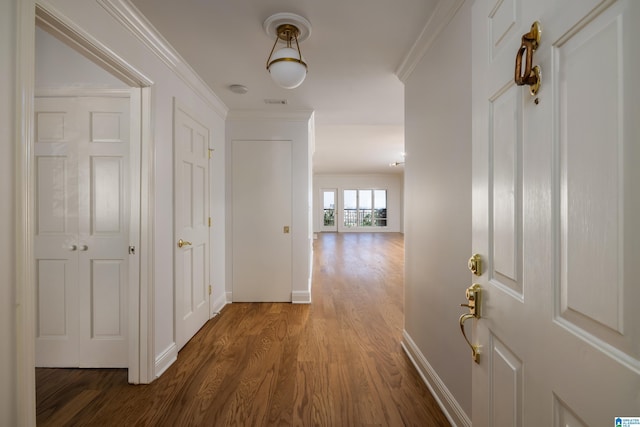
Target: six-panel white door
x=556 y=215
x=82 y=231
x=191 y=210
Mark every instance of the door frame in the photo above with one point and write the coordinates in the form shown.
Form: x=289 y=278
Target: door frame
x=141 y=345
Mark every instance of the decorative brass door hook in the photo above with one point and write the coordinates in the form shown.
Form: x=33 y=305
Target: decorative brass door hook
x=532 y=75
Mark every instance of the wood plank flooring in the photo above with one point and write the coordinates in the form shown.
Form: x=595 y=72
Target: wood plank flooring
x=336 y=362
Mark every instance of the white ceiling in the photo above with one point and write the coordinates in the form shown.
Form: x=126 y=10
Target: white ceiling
x=353 y=51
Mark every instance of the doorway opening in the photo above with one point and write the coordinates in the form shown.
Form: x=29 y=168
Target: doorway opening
x=139 y=289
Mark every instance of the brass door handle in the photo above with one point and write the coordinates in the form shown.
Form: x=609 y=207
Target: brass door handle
x=182 y=243
x=475 y=350
x=532 y=74
x=473 y=296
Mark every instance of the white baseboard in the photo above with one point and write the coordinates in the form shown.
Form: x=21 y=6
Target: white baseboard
x=166 y=359
x=218 y=304
x=449 y=405
x=301 y=297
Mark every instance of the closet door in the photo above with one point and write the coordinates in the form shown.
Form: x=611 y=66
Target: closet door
x=82 y=231
x=56 y=233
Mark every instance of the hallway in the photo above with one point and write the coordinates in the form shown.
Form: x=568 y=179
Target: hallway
x=336 y=362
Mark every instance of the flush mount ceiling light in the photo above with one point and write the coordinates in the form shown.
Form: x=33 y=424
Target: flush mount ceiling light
x=286 y=66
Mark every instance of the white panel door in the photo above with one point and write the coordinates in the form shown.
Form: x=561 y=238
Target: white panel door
x=82 y=231
x=191 y=210
x=556 y=215
x=261 y=221
x=56 y=233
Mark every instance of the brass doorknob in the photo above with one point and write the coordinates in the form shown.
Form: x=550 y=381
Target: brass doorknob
x=182 y=243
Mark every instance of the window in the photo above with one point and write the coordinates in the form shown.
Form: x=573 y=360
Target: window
x=329 y=208
x=365 y=208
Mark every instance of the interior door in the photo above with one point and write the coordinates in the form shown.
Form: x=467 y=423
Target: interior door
x=82 y=231
x=191 y=205
x=261 y=221
x=556 y=215
x=329 y=199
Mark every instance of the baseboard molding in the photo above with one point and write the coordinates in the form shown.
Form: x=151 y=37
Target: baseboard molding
x=218 y=304
x=301 y=297
x=166 y=359
x=452 y=410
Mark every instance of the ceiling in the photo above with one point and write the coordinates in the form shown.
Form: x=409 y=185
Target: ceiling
x=353 y=51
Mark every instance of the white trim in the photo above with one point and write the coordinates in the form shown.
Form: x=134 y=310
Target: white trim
x=135 y=151
x=137 y=24
x=166 y=359
x=229 y=295
x=24 y=208
x=217 y=305
x=147 y=222
x=301 y=297
x=452 y=410
x=445 y=11
x=72 y=92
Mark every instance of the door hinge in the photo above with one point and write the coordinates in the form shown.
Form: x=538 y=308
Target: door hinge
x=209 y=221
x=211 y=150
x=209 y=289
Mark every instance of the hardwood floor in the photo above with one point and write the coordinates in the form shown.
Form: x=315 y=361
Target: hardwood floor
x=336 y=362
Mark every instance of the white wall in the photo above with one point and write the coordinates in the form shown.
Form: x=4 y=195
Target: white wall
x=169 y=81
x=438 y=211
x=296 y=127
x=59 y=66
x=8 y=144
x=393 y=183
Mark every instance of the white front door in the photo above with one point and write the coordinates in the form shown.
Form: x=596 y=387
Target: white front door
x=329 y=212
x=191 y=210
x=82 y=231
x=262 y=221
x=556 y=215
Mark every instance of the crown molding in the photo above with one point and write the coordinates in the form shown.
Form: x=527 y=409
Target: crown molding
x=137 y=24
x=444 y=13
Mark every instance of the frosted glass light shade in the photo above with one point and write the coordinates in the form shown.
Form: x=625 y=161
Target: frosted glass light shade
x=288 y=74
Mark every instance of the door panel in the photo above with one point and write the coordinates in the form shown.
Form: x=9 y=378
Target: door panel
x=261 y=221
x=506 y=189
x=557 y=215
x=192 y=225
x=104 y=219
x=82 y=234
x=56 y=234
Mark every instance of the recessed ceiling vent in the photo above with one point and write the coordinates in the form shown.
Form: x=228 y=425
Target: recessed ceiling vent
x=276 y=101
